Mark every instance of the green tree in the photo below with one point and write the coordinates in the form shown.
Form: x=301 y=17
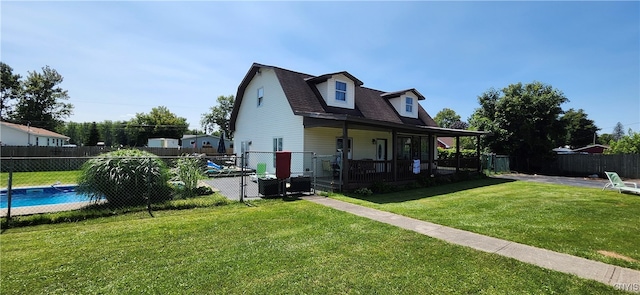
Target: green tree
x=219 y=116
x=618 y=131
x=159 y=123
x=94 y=135
x=605 y=138
x=42 y=100
x=446 y=118
x=629 y=144
x=10 y=89
x=580 y=130
x=523 y=121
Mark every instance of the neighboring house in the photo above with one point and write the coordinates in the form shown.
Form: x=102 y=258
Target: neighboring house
x=25 y=135
x=591 y=149
x=279 y=109
x=446 y=142
x=203 y=141
x=163 y=142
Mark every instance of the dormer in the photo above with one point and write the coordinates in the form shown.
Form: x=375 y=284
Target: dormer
x=405 y=102
x=337 y=89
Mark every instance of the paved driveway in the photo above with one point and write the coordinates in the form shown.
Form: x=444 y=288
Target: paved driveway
x=573 y=181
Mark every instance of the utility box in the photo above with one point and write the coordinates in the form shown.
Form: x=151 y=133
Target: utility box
x=283 y=165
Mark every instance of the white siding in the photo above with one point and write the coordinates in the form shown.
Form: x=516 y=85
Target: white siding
x=10 y=136
x=399 y=103
x=322 y=141
x=328 y=91
x=273 y=119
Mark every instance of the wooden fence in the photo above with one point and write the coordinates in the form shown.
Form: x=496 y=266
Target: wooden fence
x=627 y=166
x=91 y=151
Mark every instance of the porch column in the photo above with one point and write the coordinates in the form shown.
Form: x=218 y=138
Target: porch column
x=345 y=154
x=431 y=151
x=478 y=153
x=457 y=153
x=394 y=153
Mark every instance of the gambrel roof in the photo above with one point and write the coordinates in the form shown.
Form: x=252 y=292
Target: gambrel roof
x=371 y=106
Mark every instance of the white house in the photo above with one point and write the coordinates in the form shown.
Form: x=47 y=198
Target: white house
x=24 y=135
x=279 y=109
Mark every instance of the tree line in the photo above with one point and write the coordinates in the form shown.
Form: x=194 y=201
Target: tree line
x=37 y=100
x=526 y=121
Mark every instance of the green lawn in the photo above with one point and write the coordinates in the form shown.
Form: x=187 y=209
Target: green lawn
x=577 y=221
x=39 y=178
x=275 y=247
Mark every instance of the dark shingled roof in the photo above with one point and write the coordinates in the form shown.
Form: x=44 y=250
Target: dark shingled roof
x=304 y=98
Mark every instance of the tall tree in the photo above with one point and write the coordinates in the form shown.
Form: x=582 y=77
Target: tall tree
x=523 y=121
x=618 y=131
x=94 y=135
x=580 y=130
x=42 y=101
x=10 y=89
x=219 y=116
x=160 y=122
x=446 y=118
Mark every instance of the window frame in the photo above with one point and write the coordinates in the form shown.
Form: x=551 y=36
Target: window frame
x=409 y=104
x=260 y=94
x=341 y=91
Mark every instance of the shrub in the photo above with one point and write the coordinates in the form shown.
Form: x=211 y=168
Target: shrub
x=124 y=178
x=363 y=191
x=188 y=170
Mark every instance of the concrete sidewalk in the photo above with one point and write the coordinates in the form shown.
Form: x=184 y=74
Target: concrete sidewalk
x=619 y=277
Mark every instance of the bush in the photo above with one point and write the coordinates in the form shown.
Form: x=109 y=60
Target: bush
x=188 y=170
x=125 y=178
x=363 y=191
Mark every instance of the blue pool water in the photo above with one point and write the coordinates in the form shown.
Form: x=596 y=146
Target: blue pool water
x=36 y=196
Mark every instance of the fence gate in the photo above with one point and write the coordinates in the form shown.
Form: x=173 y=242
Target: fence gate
x=254 y=176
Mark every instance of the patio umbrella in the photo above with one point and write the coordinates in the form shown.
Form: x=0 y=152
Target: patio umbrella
x=222 y=149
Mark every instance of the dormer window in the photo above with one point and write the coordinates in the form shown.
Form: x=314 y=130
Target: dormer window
x=260 y=95
x=409 y=104
x=341 y=91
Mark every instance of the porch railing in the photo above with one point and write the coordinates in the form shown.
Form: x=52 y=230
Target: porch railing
x=369 y=171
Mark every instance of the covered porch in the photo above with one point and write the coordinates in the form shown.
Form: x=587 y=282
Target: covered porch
x=397 y=147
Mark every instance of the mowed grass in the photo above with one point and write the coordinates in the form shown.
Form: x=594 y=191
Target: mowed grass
x=39 y=178
x=275 y=247
x=572 y=220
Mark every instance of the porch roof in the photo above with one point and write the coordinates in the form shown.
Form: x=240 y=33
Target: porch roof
x=438 y=131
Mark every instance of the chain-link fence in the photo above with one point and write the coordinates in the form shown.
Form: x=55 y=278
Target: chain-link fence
x=41 y=185
x=137 y=180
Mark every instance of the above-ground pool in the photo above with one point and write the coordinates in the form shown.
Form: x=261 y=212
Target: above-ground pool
x=37 y=196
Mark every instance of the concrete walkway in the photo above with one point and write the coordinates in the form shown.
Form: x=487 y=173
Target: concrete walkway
x=619 y=277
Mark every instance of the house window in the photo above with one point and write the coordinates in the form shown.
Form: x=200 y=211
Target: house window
x=48 y=141
x=339 y=147
x=409 y=104
x=341 y=91
x=277 y=146
x=404 y=148
x=260 y=95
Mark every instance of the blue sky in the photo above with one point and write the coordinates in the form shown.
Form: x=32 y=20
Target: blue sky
x=122 y=58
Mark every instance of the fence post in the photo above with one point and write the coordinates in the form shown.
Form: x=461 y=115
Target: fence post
x=242 y=175
x=149 y=174
x=9 y=185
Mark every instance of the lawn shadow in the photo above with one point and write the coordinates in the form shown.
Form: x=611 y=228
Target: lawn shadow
x=428 y=192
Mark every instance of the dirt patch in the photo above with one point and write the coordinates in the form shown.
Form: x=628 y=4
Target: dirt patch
x=616 y=255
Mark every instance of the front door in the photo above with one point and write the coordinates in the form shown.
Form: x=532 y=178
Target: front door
x=381 y=149
x=381 y=153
